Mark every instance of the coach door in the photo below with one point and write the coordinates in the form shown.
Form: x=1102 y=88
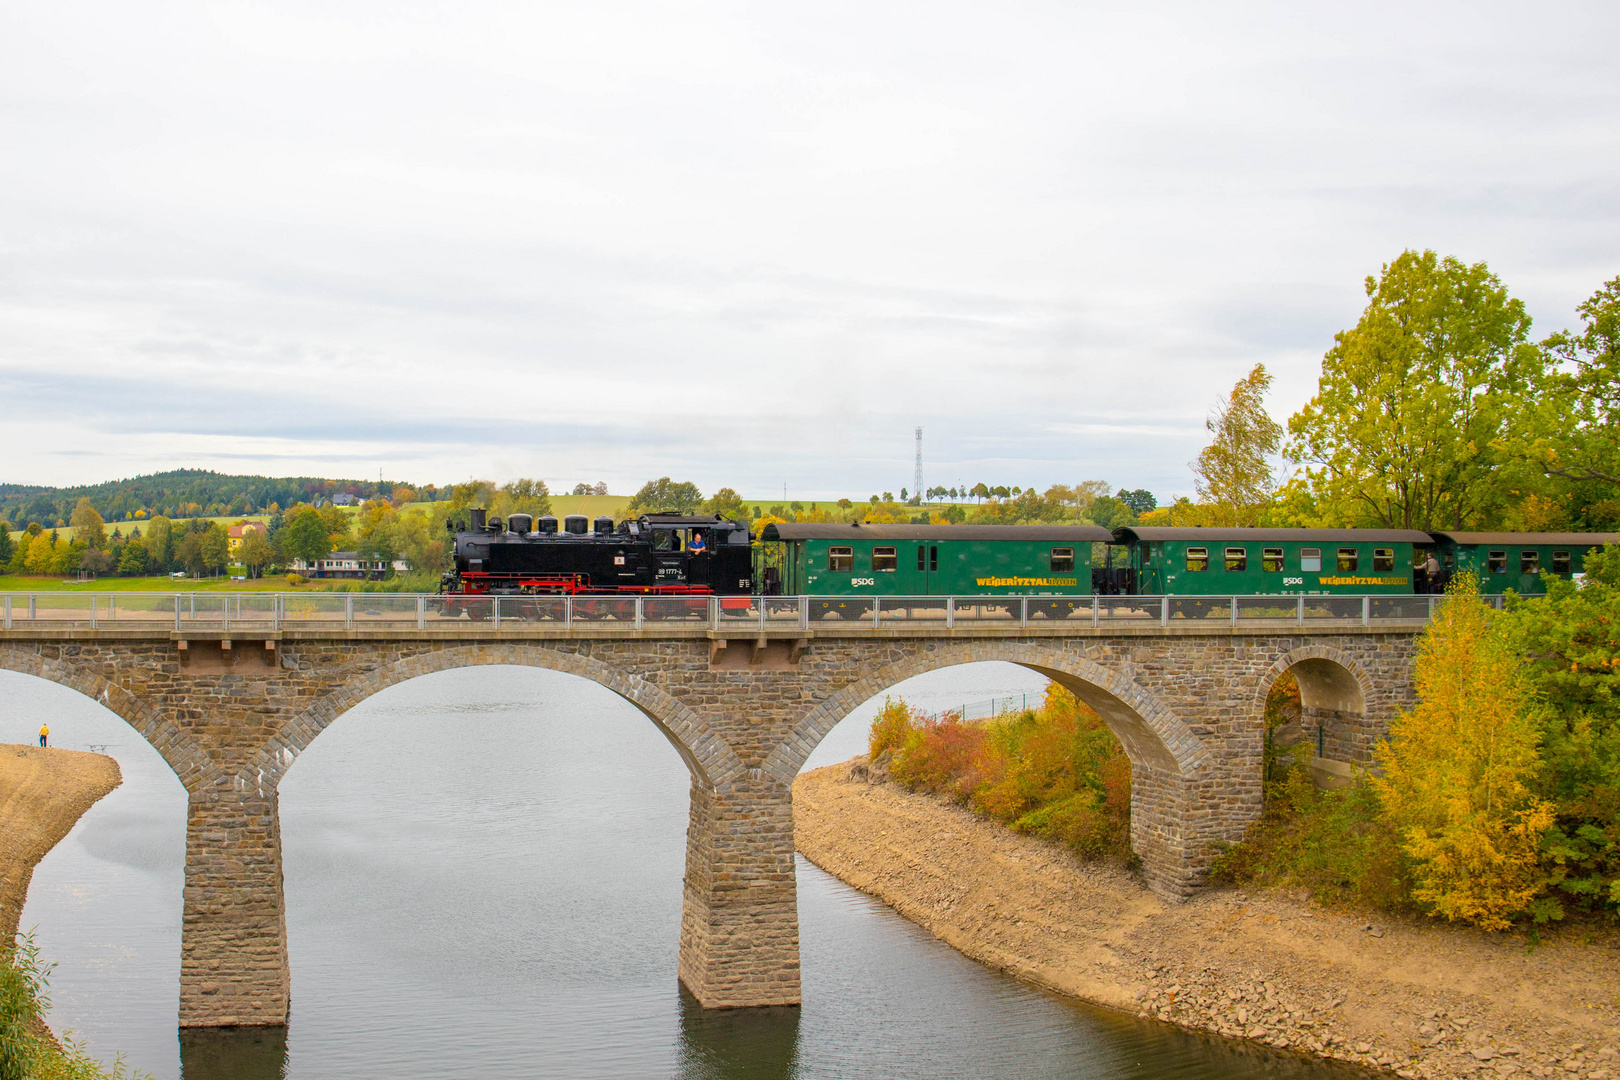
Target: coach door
x=928 y=576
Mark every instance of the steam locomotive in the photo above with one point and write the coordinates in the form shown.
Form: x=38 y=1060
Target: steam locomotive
x=652 y=555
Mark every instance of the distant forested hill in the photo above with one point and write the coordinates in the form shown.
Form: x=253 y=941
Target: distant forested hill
x=182 y=493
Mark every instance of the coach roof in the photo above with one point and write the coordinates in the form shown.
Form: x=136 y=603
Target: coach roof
x=1131 y=534
x=1508 y=539
x=1035 y=534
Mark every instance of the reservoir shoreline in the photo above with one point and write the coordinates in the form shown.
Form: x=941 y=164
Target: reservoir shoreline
x=1410 y=996
x=43 y=793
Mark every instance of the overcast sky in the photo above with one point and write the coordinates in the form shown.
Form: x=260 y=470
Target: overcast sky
x=750 y=244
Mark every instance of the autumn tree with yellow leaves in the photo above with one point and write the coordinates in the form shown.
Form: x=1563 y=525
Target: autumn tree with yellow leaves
x=1458 y=767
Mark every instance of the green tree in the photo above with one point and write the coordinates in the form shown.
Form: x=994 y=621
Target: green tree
x=1405 y=428
x=159 y=542
x=1571 y=640
x=88 y=525
x=304 y=535
x=1458 y=769
x=1234 y=474
x=522 y=496
x=216 y=547
x=133 y=561
x=665 y=494
x=1140 y=501
x=188 y=552
x=728 y=504
x=1577 y=433
x=7 y=546
x=255 y=552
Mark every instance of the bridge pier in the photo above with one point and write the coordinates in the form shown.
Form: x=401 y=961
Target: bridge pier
x=740 y=910
x=233 y=938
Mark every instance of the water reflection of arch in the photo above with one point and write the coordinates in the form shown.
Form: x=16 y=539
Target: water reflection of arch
x=177 y=747
x=1153 y=735
x=711 y=760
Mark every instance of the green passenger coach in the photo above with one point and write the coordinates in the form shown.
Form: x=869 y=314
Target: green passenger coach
x=929 y=560
x=1262 y=562
x=1504 y=561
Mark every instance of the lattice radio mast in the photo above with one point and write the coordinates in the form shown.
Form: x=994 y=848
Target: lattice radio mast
x=918 y=477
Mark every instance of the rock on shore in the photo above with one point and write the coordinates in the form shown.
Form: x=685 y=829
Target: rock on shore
x=1418 y=998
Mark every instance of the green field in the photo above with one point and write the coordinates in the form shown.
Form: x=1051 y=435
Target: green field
x=164 y=583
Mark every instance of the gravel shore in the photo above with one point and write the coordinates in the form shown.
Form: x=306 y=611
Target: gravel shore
x=1411 y=996
x=42 y=794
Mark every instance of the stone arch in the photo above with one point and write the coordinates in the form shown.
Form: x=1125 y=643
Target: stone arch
x=710 y=758
x=1328 y=678
x=182 y=753
x=1152 y=734
x=1334 y=693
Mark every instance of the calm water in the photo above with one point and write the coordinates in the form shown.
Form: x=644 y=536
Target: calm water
x=483 y=877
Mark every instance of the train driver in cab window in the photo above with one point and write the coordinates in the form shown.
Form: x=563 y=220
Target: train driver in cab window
x=698 y=545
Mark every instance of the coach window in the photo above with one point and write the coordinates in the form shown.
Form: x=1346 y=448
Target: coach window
x=1237 y=558
x=1348 y=558
x=1147 y=553
x=1197 y=559
x=1271 y=560
x=1529 y=562
x=883 y=559
x=1063 y=560
x=1496 y=562
x=1384 y=560
x=841 y=560
x=922 y=556
x=1310 y=560
x=1560 y=562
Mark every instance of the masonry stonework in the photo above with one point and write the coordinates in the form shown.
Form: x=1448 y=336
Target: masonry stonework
x=231 y=717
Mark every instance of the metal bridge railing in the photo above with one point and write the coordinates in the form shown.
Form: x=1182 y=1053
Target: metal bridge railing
x=245 y=613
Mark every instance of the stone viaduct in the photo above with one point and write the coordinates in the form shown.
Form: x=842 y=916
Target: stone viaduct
x=743 y=710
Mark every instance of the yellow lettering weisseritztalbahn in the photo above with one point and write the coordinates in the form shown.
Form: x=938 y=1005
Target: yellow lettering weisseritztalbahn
x=1361 y=581
x=1020 y=582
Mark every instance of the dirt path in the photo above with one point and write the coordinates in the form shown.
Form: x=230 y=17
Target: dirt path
x=1415 y=997
x=42 y=794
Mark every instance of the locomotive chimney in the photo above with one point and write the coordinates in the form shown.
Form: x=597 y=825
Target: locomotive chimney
x=475 y=520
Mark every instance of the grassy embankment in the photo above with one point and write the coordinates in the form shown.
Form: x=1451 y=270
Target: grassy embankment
x=1056 y=772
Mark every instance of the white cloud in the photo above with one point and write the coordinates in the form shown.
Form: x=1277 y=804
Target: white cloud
x=748 y=244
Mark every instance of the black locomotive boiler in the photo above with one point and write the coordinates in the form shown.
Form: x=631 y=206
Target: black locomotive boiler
x=653 y=555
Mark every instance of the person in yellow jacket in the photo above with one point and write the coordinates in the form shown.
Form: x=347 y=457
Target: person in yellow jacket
x=44 y=734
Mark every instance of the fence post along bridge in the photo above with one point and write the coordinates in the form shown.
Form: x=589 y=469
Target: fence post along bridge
x=743 y=680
